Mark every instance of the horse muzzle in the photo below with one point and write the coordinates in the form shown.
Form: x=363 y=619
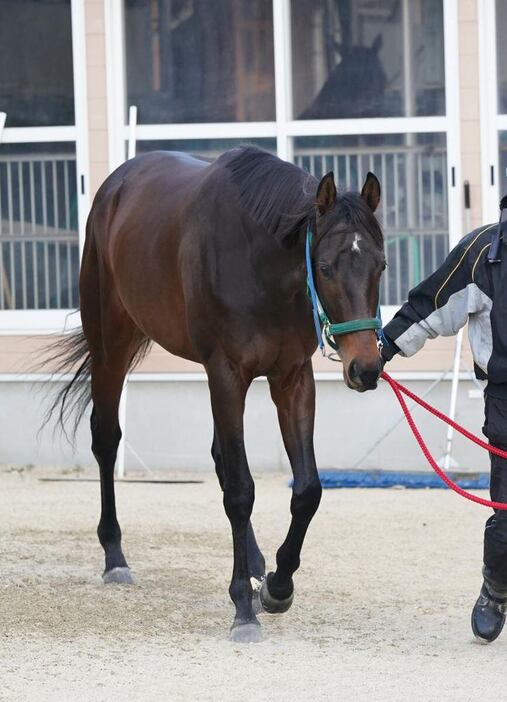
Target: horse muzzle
x=362 y=377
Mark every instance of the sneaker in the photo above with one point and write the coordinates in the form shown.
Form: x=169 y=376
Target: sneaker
x=488 y=616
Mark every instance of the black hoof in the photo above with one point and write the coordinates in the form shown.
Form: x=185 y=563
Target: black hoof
x=250 y=632
x=122 y=576
x=488 y=616
x=269 y=603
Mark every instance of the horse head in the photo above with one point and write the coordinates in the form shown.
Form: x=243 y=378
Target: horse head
x=348 y=255
x=355 y=87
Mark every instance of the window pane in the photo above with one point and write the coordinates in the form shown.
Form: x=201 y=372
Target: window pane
x=412 y=169
x=207 y=149
x=501 y=50
x=36 y=78
x=200 y=61
x=354 y=59
x=39 y=251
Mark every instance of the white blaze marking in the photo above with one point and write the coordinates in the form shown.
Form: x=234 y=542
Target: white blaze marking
x=355 y=243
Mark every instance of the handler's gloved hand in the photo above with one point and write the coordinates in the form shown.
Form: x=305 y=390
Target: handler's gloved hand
x=389 y=349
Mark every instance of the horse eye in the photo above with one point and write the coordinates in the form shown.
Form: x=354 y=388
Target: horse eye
x=325 y=270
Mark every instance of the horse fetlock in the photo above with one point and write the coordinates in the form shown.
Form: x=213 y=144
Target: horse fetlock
x=305 y=503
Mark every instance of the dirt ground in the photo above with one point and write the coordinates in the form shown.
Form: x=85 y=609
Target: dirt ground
x=381 y=611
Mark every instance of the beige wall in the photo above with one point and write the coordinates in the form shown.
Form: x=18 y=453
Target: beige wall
x=469 y=104
x=97 y=92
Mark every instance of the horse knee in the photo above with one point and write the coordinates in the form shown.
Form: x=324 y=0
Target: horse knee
x=238 y=501
x=305 y=501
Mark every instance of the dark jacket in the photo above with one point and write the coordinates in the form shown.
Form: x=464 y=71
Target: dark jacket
x=466 y=287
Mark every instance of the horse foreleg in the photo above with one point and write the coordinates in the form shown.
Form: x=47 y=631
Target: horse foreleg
x=228 y=387
x=294 y=398
x=256 y=561
x=107 y=383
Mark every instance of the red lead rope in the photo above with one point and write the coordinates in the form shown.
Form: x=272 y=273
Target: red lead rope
x=398 y=389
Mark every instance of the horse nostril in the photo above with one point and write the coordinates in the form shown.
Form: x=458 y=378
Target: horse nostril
x=353 y=370
x=364 y=376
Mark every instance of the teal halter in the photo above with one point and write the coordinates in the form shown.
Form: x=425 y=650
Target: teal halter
x=323 y=326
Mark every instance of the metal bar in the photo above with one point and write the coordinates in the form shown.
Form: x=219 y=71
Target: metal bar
x=396 y=193
x=56 y=214
x=57 y=275
x=432 y=190
x=21 y=197
x=35 y=274
x=13 y=276
x=66 y=193
x=9 y=197
x=69 y=276
x=46 y=274
x=23 y=275
x=33 y=215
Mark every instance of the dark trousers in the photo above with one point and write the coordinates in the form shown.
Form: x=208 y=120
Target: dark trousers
x=495 y=533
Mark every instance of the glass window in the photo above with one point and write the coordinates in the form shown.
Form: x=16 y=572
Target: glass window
x=207 y=149
x=200 y=61
x=412 y=169
x=36 y=76
x=39 y=250
x=356 y=59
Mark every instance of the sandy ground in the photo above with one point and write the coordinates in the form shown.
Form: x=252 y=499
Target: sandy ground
x=381 y=611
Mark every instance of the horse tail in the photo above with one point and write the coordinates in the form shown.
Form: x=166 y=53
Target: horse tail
x=73 y=398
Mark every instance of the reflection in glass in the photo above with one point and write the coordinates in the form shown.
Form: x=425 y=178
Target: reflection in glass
x=39 y=251
x=207 y=149
x=367 y=59
x=36 y=77
x=200 y=61
x=412 y=169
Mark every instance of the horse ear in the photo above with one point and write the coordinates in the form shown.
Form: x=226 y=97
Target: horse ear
x=377 y=43
x=371 y=191
x=326 y=193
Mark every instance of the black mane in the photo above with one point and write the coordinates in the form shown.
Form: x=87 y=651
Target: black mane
x=281 y=196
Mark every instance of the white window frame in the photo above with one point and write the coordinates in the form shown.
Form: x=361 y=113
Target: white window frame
x=491 y=122
x=48 y=321
x=284 y=127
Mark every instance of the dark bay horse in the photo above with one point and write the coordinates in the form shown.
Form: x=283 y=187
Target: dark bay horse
x=208 y=260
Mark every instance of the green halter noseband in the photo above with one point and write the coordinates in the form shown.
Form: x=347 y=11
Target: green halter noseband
x=323 y=326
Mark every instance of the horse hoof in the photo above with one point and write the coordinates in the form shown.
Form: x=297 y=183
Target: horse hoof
x=271 y=604
x=246 y=633
x=122 y=576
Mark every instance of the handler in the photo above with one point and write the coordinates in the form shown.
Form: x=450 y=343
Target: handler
x=471 y=286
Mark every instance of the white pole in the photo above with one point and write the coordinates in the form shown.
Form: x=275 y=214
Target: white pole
x=3 y=117
x=122 y=409
x=454 y=398
x=132 y=131
x=447 y=458
x=122 y=419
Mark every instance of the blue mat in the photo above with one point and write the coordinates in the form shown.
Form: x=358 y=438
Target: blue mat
x=389 y=479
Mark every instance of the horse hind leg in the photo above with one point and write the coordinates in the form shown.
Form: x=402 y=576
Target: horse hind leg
x=114 y=340
x=107 y=384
